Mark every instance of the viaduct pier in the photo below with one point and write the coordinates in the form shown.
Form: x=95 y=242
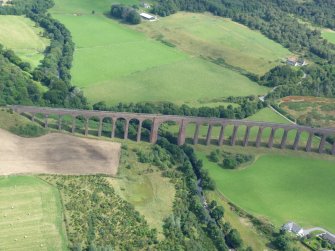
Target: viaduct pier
x=183 y=121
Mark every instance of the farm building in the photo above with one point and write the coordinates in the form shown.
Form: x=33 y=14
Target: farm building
x=295 y=61
x=146 y=5
x=293 y=228
x=328 y=237
x=147 y=16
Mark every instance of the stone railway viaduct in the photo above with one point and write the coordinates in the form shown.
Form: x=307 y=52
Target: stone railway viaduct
x=183 y=121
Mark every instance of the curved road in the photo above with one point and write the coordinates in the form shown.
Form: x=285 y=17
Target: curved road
x=308 y=231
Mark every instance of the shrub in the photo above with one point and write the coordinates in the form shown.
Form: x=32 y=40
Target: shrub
x=28 y=130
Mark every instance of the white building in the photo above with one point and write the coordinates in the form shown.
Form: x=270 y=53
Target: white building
x=146 y=5
x=293 y=228
x=295 y=61
x=147 y=16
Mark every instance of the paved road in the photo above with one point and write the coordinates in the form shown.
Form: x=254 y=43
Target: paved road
x=308 y=231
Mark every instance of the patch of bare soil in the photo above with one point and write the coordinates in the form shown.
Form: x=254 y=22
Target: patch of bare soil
x=57 y=154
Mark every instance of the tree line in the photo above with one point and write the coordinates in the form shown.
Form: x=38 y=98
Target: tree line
x=247 y=107
x=54 y=70
x=16 y=86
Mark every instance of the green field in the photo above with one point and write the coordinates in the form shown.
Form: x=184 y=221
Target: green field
x=20 y=34
x=114 y=63
x=329 y=35
x=30 y=215
x=216 y=37
x=281 y=188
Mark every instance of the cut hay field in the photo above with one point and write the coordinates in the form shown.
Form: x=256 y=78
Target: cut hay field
x=30 y=215
x=115 y=63
x=215 y=37
x=314 y=111
x=22 y=36
x=281 y=187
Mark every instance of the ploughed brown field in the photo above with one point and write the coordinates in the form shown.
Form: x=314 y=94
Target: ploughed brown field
x=57 y=154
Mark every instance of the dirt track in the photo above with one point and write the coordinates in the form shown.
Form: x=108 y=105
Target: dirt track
x=57 y=154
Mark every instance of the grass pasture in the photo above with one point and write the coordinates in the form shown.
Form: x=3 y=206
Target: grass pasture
x=215 y=37
x=281 y=187
x=192 y=79
x=20 y=34
x=114 y=63
x=30 y=215
x=328 y=35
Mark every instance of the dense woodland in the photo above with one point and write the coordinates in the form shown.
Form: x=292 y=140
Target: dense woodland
x=319 y=12
x=314 y=80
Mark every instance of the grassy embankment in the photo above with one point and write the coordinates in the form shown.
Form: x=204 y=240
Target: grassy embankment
x=31 y=215
x=20 y=125
x=142 y=185
x=115 y=63
x=22 y=36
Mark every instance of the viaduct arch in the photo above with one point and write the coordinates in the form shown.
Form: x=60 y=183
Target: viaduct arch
x=183 y=121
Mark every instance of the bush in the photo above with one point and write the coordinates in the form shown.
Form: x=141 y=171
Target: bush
x=232 y=161
x=233 y=239
x=28 y=130
x=125 y=13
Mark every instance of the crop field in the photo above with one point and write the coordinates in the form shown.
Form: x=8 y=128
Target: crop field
x=20 y=34
x=30 y=215
x=310 y=110
x=215 y=37
x=329 y=35
x=266 y=115
x=114 y=63
x=281 y=187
